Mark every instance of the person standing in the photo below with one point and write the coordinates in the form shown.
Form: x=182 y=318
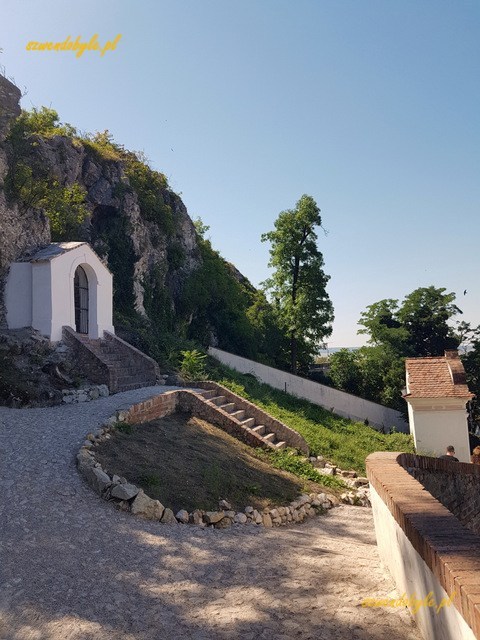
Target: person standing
x=475 y=457
x=449 y=454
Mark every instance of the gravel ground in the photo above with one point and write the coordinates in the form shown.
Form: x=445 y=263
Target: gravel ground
x=74 y=568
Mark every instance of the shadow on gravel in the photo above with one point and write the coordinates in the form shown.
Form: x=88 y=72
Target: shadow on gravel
x=135 y=580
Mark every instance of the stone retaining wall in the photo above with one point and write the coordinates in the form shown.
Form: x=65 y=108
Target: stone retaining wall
x=85 y=394
x=424 y=545
x=455 y=485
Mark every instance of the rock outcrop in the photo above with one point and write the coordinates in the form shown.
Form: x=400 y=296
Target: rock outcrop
x=137 y=250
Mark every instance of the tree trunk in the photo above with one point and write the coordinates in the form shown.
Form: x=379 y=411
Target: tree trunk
x=293 y=354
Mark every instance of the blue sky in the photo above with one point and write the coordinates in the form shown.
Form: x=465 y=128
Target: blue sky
x=370 y=107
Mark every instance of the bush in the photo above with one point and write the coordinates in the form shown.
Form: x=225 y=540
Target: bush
x=192 y=366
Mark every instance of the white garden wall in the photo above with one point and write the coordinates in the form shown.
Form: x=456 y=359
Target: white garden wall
x=339 y=402
x=414 y=578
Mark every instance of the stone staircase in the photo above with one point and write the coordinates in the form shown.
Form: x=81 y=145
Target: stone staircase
x=112 y=361
x=212 y=397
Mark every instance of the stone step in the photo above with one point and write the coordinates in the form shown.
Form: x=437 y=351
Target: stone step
x=229 y=407
x=260 y=430
x=239 y=415
x=134 y=385
x=218 y=400
x=208 y=393
x=249 y=423
x=270 y=437
x=280 y=445
x=127 y=380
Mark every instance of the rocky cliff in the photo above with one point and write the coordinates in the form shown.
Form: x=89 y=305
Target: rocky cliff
x=20 y=231
x=170 y=285
x=138 y=250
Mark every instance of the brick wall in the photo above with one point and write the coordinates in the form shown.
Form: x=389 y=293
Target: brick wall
x=88 y=362
x=187 y=401
x=151 y=409
x=448 y=549
x=455 y=485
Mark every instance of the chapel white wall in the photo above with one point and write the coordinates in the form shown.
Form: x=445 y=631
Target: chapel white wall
x=18 y=295
x=436 y=425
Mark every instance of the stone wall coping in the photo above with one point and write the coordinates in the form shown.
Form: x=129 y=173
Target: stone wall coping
x=451 y=551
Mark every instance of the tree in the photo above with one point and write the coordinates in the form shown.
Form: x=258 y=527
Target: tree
x=297 y=286
x=418 y=327
x=375 y=373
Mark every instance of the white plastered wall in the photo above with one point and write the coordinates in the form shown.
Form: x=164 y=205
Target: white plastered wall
x=100 y=292
x=18 y=295
x=437 y=423
x=414 y=578
x=41 y=294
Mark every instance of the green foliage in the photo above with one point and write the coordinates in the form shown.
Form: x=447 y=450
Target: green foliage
x=215 y=302
x=30 y=184
x=102 y=145
x=298 y=283
x=65 y=208
x=42 y=122
x=200 y=227
x=343 y=442
x=124 y=427
x=112 y=231
x=418 y=327
x=289 y=460
x=192 y=366
x=375 y=373
x=150 y=186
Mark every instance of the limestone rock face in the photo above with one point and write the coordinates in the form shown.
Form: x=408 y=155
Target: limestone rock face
x=115 y=228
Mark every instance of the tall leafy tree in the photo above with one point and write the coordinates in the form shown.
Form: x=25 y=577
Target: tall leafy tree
x=298 y=283
x=418 y=327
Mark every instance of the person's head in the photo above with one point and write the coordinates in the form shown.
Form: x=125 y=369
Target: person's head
x=476 y=451
x=450 y=450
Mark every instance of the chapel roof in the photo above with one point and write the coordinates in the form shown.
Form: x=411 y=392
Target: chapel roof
x=437 y=377
x=53 y=250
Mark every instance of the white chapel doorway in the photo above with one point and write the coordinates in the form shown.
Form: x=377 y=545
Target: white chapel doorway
x=80 y=288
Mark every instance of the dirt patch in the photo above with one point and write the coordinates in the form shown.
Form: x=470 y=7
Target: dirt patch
x=187 y=463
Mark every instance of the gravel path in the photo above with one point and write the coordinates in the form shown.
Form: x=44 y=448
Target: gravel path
x=74 y=568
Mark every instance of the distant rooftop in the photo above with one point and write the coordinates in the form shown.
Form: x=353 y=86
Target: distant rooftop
x=437 y=377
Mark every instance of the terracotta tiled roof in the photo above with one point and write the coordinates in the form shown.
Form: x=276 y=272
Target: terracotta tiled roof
x=440 y=377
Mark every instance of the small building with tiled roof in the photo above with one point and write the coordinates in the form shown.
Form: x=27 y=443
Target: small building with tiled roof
x=437 y=394
x=62 y=285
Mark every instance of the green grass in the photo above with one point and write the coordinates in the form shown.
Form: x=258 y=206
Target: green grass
x=341 y=441
x=289 y=460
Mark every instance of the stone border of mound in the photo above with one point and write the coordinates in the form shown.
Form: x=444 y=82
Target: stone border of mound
x=129 y=497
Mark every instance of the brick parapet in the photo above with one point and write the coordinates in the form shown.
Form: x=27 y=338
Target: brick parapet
x=281 y=430
x=451 y=551
x=188 y=401
x=133 y=354
x=89 y=362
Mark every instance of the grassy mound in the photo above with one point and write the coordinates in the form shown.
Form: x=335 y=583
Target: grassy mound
x=187 y=463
